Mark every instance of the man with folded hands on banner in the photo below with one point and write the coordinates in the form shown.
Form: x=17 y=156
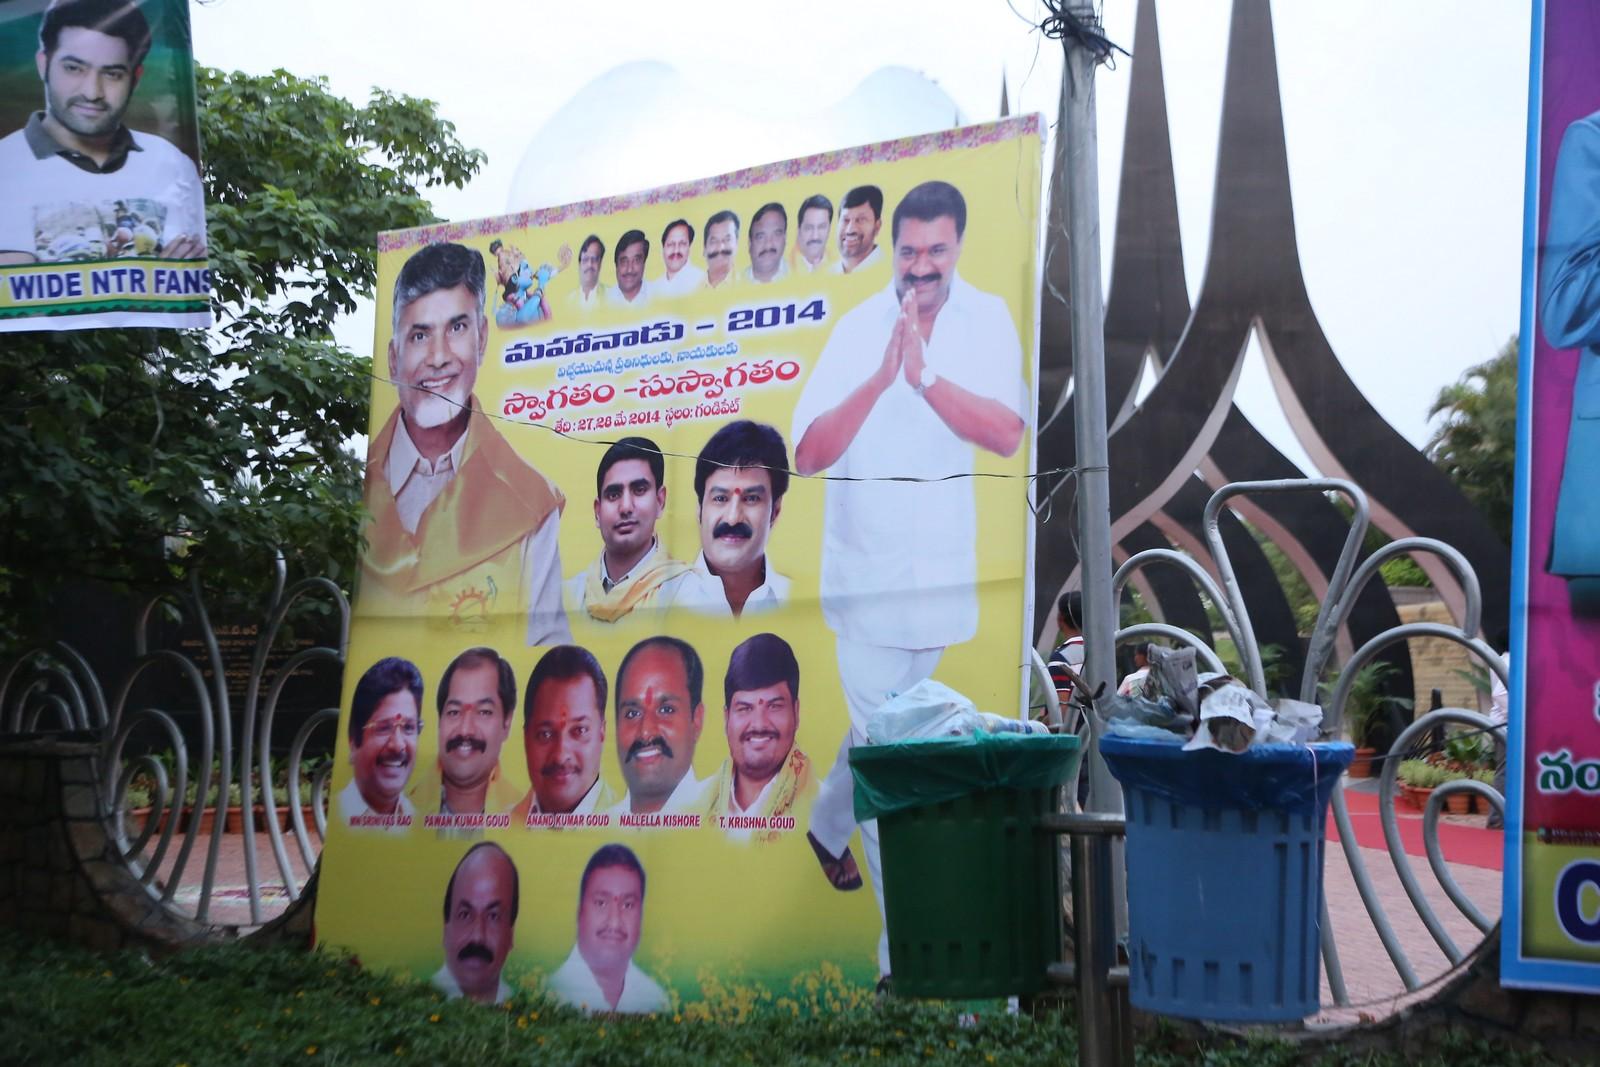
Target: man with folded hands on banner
x=385 y=719
x=682 y=276
x=630 y=495
x=79 y=184
x=718 y=246
x=463 y=531
x=599 y=974
x=740 y=477
x=476 y=698
x=765 y=774
x=659 y=718
x=812 y=223
x=480 y=917
x=563 y=735
x=908 y=383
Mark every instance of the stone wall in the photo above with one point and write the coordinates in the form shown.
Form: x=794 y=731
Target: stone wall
x=60 y=875
x=1437 y=663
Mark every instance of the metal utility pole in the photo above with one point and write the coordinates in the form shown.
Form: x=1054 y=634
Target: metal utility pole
x=1082 y=180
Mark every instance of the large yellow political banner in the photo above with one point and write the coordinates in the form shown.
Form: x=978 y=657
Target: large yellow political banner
x=668 y=493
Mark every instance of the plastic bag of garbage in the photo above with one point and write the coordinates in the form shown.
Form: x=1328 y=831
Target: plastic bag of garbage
x=932 y=709
x=1131 y=716
x=1232 y=716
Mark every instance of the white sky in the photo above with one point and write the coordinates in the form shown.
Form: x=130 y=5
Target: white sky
x=1405 y=126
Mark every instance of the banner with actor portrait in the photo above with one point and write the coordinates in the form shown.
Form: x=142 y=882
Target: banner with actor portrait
x=1551 y=933
x=668 y=493
x=102 y=212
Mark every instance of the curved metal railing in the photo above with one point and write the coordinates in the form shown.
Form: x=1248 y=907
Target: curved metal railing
x=177 y=851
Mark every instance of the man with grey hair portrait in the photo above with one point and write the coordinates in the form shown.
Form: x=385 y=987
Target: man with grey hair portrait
x=463 y=530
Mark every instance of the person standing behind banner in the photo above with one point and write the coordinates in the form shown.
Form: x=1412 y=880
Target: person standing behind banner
x=463 y=530
x=908 y=383
x=720 y=243
x=1069 y=653
x=765 y=775
x=590 y=293
x=769 y=232
x=633 y=251
x=682 y=276
x=599 y=974
x=79 y=183
x=812 y=223
x=563 y=735
x=630 y=495
x=860 y=219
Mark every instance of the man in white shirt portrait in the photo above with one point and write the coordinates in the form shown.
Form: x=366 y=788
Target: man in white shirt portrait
x=682 y=276
x=860 y=219
x=812 y=223
x=766 y=775
x=385 y=720
x=769 y=234
x=721 y=241
x=463 y=530
x=740 y=477
x=563 y=736
x=599 y=975
x=476 y=698
x=660 y=714
x=480 y=918
x=80 y=184
x=630 y=496
x=590 y=292
x=910 y=383
x=633 y=252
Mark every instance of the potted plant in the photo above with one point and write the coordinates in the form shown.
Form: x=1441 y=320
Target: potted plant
x=1481 y=804
x=1418 y=778
x=1366 y=708
x=1457 y=803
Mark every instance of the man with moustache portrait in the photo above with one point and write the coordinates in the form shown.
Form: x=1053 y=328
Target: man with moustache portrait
x=591 y=293
x=480 y=918
x=769 y=233
x=630 y=496
x=740 y=477
x=463 y=531
x=720 y=242
x=385 y=719
x=633 y=251
x=599 y=975
x=682 y=276
x=765 y=776
x=812 y=223
x=911 y=382
x=563 y=734
x=860 y=219
x=476 y=698
x=659 y=718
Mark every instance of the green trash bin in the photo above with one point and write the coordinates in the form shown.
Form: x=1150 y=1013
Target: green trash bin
x=971 y=890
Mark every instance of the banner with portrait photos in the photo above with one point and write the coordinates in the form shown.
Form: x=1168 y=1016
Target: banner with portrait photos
x=668 y=493
x=1551 y=933
x=102 y=211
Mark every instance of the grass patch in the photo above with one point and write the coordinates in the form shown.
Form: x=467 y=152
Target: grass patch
x=238 y=1005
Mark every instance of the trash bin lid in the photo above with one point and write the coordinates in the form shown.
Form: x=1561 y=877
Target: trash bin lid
x=912 y=774
x=1297 y=778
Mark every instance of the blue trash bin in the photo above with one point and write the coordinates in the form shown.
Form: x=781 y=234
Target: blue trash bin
x=1225 y=875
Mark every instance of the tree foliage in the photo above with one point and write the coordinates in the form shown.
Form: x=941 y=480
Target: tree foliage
x=122 y=444
x=1476 y=442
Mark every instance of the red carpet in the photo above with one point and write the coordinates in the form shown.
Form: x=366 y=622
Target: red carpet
x=1472 y=845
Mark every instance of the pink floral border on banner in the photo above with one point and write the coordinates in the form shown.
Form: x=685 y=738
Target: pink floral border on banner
x=825 y=163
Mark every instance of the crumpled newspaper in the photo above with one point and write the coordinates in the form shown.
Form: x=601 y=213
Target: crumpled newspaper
x=1208 y=710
